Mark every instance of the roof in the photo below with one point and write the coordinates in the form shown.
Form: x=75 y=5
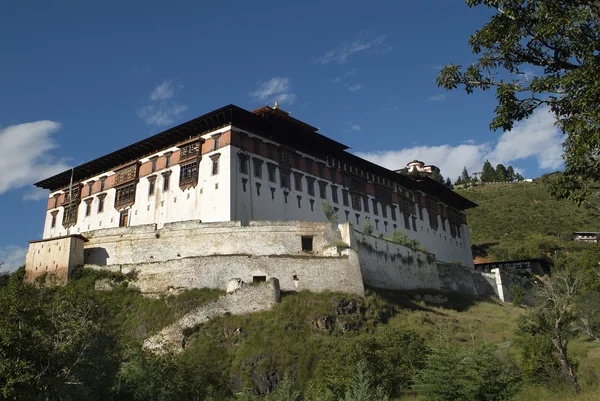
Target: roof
x=444 y=193
x=274 y=124
x=512 y=261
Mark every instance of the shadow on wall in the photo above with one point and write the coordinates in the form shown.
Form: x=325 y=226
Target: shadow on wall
x=96 y=256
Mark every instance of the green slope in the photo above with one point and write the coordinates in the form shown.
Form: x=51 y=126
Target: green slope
x=522 y=220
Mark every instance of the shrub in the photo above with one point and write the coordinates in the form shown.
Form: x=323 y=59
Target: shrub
x=474 y=374
x=368 y=226
x=403 y=239
x=517 y=293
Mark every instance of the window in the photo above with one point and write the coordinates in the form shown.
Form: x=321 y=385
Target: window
x=309 y=165
x=366 y=203
x=215 y=163
x=258 y=188
x=312 y=205
x=90 y=188
x=384 y=210
x=394 y=212
x=56 y=196
x=154 y=164
x=216 y=141
x=126 y=174
x=310 y=184
x=189 y=151
x=101 y=202
x=298 y=182
x=167 y=159
x=256 y=143
x=188 y=174
x=307 y=243
x=284 y=179
x=299 y=201
x=243 y=160
x=321 y=170
x=375 y=208
x=151 y=184
x=125 y=195
x=323 y=189
x=257 y=166
x=356 y=201
x=124 y=218
x=88 y=207
x=272 y=171
x=166 y=178
x=345 y=197
x=286 y=157
x=70 y=214
x=53 y=223
x=334 y=194
x=102 y=182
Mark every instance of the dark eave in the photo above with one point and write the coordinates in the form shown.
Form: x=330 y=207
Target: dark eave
x=444 y=194
x=145 y=147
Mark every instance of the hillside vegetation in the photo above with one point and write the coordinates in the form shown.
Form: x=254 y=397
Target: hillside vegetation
x=521 y=220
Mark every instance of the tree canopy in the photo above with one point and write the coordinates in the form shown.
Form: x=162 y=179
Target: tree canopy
x=542 y=55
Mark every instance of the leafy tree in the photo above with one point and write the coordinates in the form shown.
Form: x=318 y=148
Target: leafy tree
x=542 y=55
x=403 y=239
x=479 y=373
x=519 y=177
x=501 y=173
x=554 y=318
x=517 y=293
x=329 y=212
x=488 y=174
x=589 y=314
x=510 y=174
x=55 y=343
x=466 y=178
x=368 y=226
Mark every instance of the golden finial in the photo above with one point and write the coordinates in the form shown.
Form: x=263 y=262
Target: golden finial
x=276 y=105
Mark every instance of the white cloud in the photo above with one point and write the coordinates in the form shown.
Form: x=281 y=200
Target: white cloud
x=163 y=91
x=161 y=114
x=25 y=157
x=345 y=50
x=355 y=87
x=436 y=98
x=276 y=89
x=13 y=257
x=161 y=111
x=355 y=127
x=536 y=137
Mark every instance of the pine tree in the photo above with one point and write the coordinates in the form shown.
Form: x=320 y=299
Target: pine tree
x=458 y=181
x=510 y=172
x=448 y=183
x=362 y=388
x=501 y=173
x=437 y=176
x=488 y=174
x=465 y=176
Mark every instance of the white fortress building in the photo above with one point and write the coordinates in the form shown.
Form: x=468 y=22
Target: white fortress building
x=232 y=167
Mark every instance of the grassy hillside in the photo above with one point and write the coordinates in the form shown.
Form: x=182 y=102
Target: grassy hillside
x=522 y=220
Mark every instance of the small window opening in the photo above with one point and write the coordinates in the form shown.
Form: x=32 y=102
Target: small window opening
x=259 y=279
x=307 y=243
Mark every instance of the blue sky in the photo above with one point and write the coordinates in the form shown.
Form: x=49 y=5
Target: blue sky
x=81 y=79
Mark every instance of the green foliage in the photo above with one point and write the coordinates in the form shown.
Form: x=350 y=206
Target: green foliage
x=487 y=172
x=368 y=226
x=55 y=343
x=517 y=293
x=559 y=42
x=588 y=311
x=402 y=238
x=464 y=176
x=362 y=388
x=287 y=391
x=329 y=212
x=392 y=356
x=479 y=373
